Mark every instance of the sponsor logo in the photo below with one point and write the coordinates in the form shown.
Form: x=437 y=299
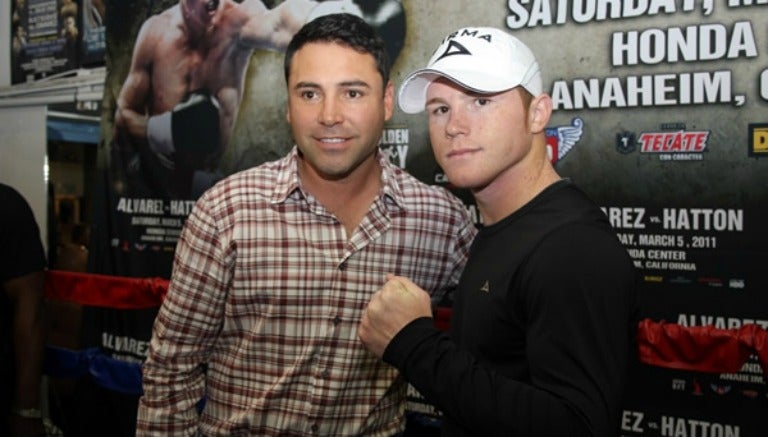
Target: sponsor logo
x=678 y=384
x=696 y=389
x=712 y=282
x=562 y=139
x=720 y=389
x=673 y=142
x=751 y=394
x=626 y=142
x=758 y=139
x=680 y=280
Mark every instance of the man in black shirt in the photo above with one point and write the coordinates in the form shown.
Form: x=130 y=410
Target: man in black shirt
x=543 y=316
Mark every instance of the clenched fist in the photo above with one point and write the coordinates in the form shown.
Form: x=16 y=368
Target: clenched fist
x=396 y=304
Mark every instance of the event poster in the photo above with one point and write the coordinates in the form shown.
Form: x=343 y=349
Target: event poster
x=44 y=38
x=661 y=116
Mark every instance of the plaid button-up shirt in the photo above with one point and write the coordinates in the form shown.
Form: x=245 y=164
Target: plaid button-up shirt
x=265 y=299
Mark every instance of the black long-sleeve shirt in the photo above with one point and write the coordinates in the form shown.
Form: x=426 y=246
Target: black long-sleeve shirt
x=541 y=330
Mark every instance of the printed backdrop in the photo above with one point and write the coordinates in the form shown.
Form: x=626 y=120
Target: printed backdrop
x=661 y=115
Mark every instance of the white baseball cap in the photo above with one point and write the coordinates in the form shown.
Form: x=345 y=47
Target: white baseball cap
x=482 y=59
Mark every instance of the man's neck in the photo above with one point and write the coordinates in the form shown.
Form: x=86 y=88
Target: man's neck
x=348 y=197
x=514 y=188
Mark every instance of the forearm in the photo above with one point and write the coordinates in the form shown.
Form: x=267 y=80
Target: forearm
x=472 y=395
x=173 y=377
x=173 y=380
x=168 y=404
x=29 y=342
x=131 y=123
x=29 y=338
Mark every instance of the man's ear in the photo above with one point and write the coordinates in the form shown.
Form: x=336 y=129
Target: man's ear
x=389 y=100
x=539 y=113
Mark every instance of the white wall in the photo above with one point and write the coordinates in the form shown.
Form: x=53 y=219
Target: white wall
x=23 y=146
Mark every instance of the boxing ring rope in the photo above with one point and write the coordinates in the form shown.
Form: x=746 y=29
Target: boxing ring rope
x=105 y=291
x=701 y=348
x=87 y=289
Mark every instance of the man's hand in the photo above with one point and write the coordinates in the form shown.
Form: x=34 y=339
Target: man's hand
x=396 y=304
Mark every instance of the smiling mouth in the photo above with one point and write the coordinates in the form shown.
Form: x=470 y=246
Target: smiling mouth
x=332 y=140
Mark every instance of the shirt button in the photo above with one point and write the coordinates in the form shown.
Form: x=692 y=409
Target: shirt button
x=325 y=374
x=336 y=320
x=314 y=428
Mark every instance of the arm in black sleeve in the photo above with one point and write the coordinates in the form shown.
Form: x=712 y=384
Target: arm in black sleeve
x=480 y=400
x=580 y=294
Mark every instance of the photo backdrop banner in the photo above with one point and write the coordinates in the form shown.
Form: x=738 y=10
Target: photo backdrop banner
x=661 y=116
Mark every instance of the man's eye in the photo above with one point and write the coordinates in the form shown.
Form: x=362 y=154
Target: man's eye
x=481 y=101
x=308 y=95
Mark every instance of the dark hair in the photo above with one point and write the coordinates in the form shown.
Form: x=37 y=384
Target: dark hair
x=344 y=29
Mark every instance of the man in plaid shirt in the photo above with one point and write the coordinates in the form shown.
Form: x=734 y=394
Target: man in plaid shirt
x=276 y=263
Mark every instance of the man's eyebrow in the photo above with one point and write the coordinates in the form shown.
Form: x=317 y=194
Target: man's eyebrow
x=434 y=100
x=353 y=83
x=344 y=84
x=306 y=85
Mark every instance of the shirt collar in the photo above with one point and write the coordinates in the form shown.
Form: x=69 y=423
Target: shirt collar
x=288 y=182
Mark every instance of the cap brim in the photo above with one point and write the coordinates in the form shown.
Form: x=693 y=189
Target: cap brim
x=412 y=97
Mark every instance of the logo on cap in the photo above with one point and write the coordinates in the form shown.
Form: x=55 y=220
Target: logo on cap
x=454 y=48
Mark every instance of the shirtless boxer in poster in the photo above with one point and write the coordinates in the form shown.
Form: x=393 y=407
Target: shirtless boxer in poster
x=178 y=104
